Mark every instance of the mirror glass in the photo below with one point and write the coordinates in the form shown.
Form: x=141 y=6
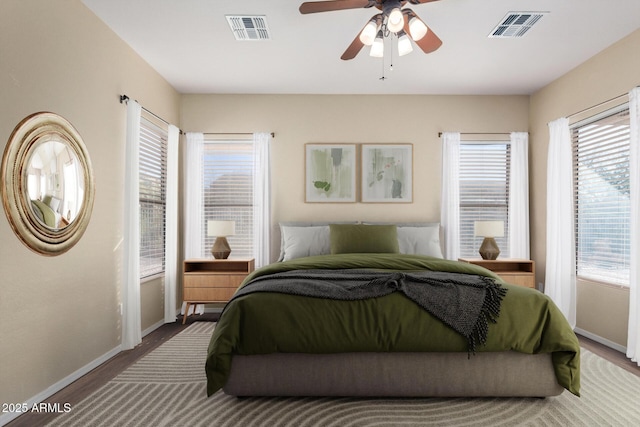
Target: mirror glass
x=48 y=183
x=55 y=183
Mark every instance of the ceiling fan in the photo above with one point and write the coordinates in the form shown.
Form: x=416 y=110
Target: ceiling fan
x=392 y=19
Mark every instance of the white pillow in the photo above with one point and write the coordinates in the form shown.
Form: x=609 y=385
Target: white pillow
x=309 y=239
x=304 y=241
x=54 y=203
x=420 y=240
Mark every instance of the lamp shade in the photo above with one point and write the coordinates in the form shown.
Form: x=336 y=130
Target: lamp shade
x=488 y=228
x=369 y=32
x=417 y=28
x=395 y=22
x=221 y=228
x=377 y=48
x=404 y=44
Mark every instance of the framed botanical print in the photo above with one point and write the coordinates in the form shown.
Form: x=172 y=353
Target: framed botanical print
x=330 y=173
x=387 y=173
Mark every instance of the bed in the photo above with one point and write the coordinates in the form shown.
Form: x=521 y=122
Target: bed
x=274 y=340
x=46 y=211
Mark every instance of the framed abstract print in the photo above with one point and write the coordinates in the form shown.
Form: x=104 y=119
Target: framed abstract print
x=387 y=173
x=330 y=173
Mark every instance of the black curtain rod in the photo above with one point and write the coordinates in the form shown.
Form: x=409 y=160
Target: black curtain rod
x=125 y=98
x=598 y=105
x=273 y=135
x=479 y=133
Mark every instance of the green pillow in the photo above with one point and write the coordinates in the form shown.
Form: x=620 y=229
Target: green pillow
x=361 y=238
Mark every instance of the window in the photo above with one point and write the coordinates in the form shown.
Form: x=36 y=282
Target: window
x=153 y=171
x=228 y=193
x=73 y=189
x=602 y=197
x=484 y=192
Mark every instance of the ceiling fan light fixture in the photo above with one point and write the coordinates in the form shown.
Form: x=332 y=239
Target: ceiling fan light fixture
x=395 y=20
x=368 y=34
x=377 y=48
x=404 y=44
x=417 y=28
x=391 y=21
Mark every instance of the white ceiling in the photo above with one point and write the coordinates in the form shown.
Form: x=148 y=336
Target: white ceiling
x=191 y=45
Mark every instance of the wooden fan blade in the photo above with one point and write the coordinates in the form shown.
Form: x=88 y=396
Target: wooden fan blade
x=430 y=42
x=421 y=1
x=356 y=45
x=327 y=6
x=354 y=48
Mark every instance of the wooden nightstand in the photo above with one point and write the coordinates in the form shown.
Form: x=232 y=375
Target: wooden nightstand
x=519 y=272
x=212 y=280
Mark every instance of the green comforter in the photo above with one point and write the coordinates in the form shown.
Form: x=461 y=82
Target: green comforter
x=263 y=323
x=44 y=213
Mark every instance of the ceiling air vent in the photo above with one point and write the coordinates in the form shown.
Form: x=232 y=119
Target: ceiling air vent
x=516 y=24
x=249 y=28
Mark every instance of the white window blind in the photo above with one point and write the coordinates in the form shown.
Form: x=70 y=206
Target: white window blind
x=228 y=193
x=153 y=170
x=602 y=197
x=484 y=192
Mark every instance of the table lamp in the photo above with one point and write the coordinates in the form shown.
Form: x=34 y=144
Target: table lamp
x=489 y=229
x=221 y=229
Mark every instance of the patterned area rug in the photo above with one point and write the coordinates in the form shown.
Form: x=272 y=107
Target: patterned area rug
x=167 y=388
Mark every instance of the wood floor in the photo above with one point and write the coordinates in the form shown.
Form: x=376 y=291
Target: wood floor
x=613 y=356
x=95 y=379
x=104 y=373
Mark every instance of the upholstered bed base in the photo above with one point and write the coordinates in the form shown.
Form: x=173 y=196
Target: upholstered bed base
x=393 y=375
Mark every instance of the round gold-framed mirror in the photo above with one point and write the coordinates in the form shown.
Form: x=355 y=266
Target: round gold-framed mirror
x=48 y=183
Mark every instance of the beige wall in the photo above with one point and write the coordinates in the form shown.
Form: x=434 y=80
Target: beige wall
x=299 y=119
x=611 y=73
x=57 y=314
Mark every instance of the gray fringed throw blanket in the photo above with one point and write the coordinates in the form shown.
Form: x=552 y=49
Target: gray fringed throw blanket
x=465 y=303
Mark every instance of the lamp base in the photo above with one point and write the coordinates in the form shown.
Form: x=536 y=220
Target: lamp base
x=221 y=249
x=489 y=249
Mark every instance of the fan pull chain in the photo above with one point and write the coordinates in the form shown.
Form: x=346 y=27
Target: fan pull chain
x=391 y=53
x=383 y=78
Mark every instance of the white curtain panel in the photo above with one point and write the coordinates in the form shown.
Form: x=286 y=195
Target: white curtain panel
x=171 y=229
x=560 y=282
x=194 y=152
x=261 y=198
x=519 y=196
x=131 y=322
x=450 y=195
x=633 y=334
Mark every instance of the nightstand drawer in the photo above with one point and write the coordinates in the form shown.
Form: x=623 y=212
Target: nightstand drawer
x=213 y=280
x=520 y=272
x=208 y=294
x=520 y=279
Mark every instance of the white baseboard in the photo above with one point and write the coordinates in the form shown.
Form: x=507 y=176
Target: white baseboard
x=50 y=391
x=53 y=389
x=603 y=341
x=152 y=328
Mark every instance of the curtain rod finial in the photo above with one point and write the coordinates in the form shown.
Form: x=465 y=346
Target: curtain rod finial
x=123 y=98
